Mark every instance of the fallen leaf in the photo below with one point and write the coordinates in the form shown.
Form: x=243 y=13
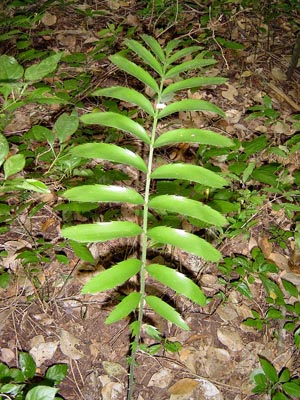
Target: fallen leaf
x=49 y=19
x=230 y=93
x=279 y=260
x=67 y=345
x=246 y=74
x=43 y=352
x=161 y=379
x=188 y=356
x=112 y=391
x=266 y=246
x=132 y=20
x=230 y=338
x=183 y=386
x=210 y=391
x=113 y=369
x=227 y=312
x=278 y=74
x=7 y=355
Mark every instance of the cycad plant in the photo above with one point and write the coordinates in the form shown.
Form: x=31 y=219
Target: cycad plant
x=168 y=65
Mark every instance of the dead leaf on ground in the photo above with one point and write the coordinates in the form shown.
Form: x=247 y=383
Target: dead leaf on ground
x=49 y=19
x=7 y=355
x=112 y=391
x=183 y=386
x=209 y=390
x=230 y=338
x=230 y=93
x=162 y=378
x=266 y=246
x=43 y=351
x=67 y=345
x=113 y=368
x=278 y=259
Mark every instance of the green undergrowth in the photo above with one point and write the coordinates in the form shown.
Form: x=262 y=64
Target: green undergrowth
x=24 y=383
x=220 y=193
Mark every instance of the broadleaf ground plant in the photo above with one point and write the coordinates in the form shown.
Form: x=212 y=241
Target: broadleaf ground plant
x=23 y=383
x=165 y=82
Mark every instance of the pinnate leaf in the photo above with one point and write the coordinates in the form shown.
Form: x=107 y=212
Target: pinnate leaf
x=166 y=311
x=178 y=282
x=126 y=94
x=190 y=105
x=82 y=251
x=42 y=133
x=27 y=365
x=189 y=172
x=193 y=83
x=112 y=277
x=31 y=184
x=57 y=373
x=135 y=70
x=10 y=69
x=188 y=66
x=191 y=208
x=155 y=47
x=190 y=135
x=292 y=389
x=185 y=241
x=101 y=231
x=145 y=55
x=285 y=375
x=65 y=126
x=290 y=288
x=124 y=308
x=117 y=121
x=186 y=51
x=105 y=193
x=109 y=152
x=279 y=396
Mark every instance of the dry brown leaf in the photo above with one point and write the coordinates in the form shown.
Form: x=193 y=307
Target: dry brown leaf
x=49 y=19
x=113 y=369
x=230 y=93
x=230 y=338
x=278 y=74
x=48 y=224
x=43 y=352
x=161 y=379
x=132 y=20
x=265 y=246
x=188 y=356
x=7 y=355
x=112 y=390
x=69 y=41
x=279 y=260
x=234 y=115
x=67 y=345
x=209 y=390
x=183 y=386
x=227 y=312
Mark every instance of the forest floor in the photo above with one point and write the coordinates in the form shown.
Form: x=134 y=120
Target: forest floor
x=57 y=324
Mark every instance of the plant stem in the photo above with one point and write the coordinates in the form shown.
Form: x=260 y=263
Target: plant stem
x=144 y=245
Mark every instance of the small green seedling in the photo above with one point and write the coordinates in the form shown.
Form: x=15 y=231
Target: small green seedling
x=265 y=111
x=279 y=386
